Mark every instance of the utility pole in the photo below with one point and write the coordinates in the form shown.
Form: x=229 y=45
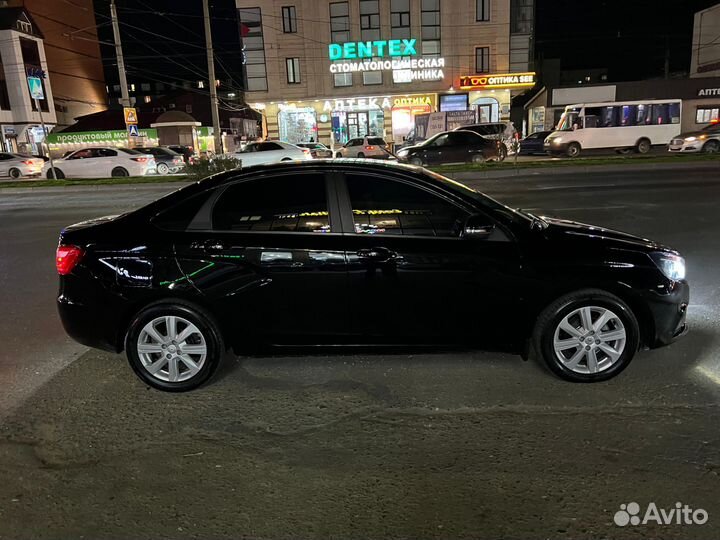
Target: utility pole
x=119 y=55
x=211 y=77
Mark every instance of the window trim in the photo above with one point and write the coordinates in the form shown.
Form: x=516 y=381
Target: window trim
x=489 y=59
x=295 y=62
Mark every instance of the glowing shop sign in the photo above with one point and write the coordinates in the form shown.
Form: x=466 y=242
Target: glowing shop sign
x=506 y=80
x=372 y=49
x=404 y=70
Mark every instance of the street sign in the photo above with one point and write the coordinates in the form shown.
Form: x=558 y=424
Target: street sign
x=36 y=89
x=133 y=130
x=130 y=115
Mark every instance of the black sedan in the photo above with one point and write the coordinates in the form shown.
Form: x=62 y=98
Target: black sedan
x=451 y=147
x=348 y=251
x=168 y=161
x=534 y=143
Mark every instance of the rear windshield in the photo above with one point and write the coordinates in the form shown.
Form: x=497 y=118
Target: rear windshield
x=129 y=151
x=379 y=141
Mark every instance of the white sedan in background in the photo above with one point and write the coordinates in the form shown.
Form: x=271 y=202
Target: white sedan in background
x=17 y=165
x=271 y=152
x=101 y=163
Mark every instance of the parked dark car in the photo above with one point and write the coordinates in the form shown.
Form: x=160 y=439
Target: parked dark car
x=491 y=130
x=451 y=147
x=341 y=251
x=534 y=143
x=168 y=161
x=187 y=152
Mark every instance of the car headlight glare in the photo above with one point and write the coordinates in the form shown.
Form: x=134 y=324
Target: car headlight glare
x=690 y=139
x=557 y=140
x=672 y=266
x=402 y=153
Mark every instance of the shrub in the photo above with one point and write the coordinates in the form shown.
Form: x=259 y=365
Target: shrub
x=204 y=167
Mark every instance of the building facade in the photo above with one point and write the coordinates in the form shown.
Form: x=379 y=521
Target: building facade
x=22 y=51
x=74 y=65
x=705 y=58
x=336 y=70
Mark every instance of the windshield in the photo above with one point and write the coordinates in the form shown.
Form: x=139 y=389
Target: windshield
x=712 y=127
x=568 y=119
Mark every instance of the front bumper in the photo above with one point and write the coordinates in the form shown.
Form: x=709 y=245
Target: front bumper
x=555 y=148
x=669 y=313
x=686 y=147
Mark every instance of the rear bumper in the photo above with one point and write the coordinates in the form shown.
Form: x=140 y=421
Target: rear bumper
x=91 y=327
x=669 y=313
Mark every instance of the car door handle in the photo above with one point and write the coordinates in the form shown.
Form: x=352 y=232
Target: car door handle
x=379 y=254
x=209 y=245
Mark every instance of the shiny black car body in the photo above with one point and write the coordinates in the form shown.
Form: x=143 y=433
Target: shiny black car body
x=457 y=146
x=534 y=143
x=352 y=251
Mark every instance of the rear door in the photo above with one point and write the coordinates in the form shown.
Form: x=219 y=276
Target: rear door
x=267 y=256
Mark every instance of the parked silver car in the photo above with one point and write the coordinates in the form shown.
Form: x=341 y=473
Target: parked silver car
x=364 y=147
x=706 y=140
x=17 y=165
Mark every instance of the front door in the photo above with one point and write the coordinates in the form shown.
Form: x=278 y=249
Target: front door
x=265 y=256
x=411 y=274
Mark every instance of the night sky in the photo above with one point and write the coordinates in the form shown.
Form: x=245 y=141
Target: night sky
x=629 y=37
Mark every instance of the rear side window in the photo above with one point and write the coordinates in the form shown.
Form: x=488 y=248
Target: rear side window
x=179 y=216
x=284 y=203
x=264 y=147
x=383 y=206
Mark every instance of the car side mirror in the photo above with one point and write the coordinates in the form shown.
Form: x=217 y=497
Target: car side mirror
x=477 y=227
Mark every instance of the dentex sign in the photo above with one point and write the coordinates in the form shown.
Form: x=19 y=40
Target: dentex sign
x=372 y=49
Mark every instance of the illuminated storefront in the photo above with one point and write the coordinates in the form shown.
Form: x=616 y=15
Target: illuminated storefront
x=491 y=94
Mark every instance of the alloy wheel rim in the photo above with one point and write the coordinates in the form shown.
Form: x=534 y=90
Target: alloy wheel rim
x=589 y=340
x=171 y=349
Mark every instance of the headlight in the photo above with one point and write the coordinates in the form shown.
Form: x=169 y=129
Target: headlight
x=402 y=153
x=556 y=140
x=672 y=266
x=690 y=139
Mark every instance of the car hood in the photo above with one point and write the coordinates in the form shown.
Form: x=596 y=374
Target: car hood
x=692 y=134
x=411 y=148
x=563 y=228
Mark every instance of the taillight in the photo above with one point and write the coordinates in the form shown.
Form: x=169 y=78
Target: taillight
x=141 y=159
x=66 y=258
x=369 y=148
x=28 y=162
x=305 y=150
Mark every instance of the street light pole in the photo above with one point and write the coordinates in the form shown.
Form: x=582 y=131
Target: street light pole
x=119 y=55
x=211 y=77
x=45 y=134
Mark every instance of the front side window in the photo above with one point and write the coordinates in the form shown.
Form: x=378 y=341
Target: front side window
x=390 y=207
x=294 y=203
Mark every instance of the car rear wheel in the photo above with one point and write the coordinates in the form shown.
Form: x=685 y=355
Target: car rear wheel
x=162 y=168
x=587 y=336
x=643 y=146
x=15 y=173
x=119 y=172
x=415 y=161
x=360 y=155
x=711 y=147
x=173 y=347
x=55 y=173
x=573 y=150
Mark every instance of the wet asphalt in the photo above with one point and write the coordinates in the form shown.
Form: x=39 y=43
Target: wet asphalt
x=341 y=444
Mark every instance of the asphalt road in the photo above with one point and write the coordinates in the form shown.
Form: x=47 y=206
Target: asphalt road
x=393 y=444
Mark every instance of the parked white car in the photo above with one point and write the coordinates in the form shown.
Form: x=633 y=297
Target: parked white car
x=705 y=140
x=17 y=165
x=101 y=163
x=271 y=152
x=364 y=147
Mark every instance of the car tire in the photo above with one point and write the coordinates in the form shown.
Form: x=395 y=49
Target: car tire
x=14 y=173
x=643 y=146
x=55 y=173
x=360 y=155
x=338 y=154
x=573 y=150
x=158 y=368
x=163 y=168
x=711 y=147
x=286 y=159
x=119 y=172
x=478 y=159
x=502 y=152
x=415 y=161
x=593 y=359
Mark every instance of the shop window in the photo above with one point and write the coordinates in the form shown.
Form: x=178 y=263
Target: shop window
x=707 y=115
x=293 y=70
x=389 y=207
x=482 y=10
x=430 y=27
x=482 y=59
x=400 y=19
x=339 y=23
x=283 y=203
x=253 y=55
x=297 y=125
x=289 y=19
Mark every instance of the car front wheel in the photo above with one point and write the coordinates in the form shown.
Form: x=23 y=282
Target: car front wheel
x=587 y=336
x=173 y=347
x=711 y=147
